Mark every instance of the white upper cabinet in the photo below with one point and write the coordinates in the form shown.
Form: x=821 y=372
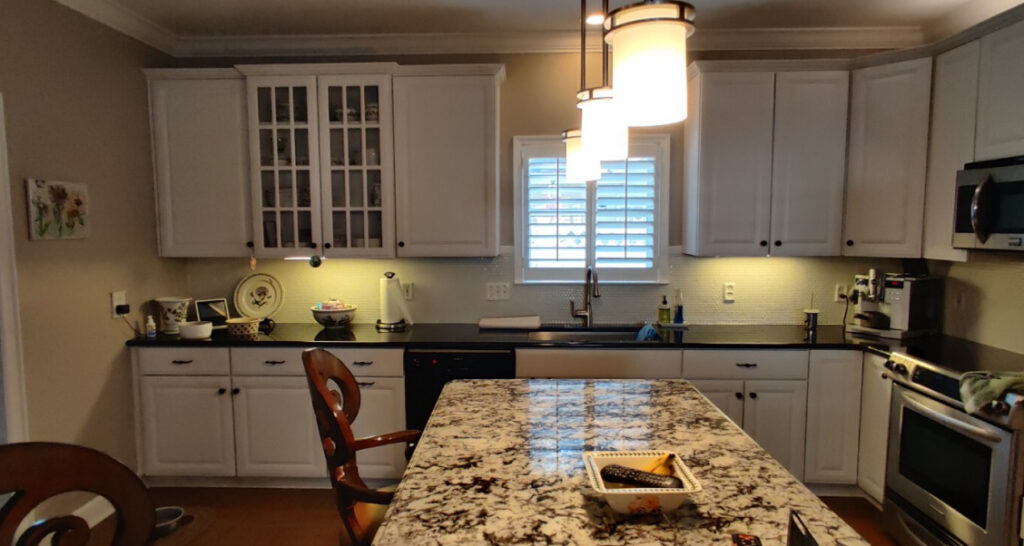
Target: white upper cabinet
x=809 y=162
x=887 y=157
x=1000 y=106
x=728 y=163
x=954 y=97
x=201 y=162
x=446 y=168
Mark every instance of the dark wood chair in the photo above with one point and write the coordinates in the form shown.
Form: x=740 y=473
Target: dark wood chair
x=360 y=507
x=36 y=471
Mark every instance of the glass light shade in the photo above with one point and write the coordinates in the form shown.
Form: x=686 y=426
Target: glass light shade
x=648 y=43
x=579 y=166
x=605 y=133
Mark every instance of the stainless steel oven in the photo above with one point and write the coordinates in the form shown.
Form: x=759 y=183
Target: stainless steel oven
x=990 y=205
x=951 y=478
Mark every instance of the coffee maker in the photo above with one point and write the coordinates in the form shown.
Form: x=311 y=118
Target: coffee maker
x=895 y=306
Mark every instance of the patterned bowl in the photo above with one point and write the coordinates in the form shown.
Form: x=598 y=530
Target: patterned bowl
x=243 y=327
x=334 y=318
x=637 y=500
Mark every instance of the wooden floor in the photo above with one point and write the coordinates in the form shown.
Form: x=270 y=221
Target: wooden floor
x=272 y=517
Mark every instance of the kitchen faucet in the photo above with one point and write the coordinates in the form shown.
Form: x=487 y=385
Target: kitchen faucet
x=591 y=289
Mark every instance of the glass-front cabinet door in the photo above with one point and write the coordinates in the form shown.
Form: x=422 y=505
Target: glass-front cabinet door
x=356 y=165
x=283 y=133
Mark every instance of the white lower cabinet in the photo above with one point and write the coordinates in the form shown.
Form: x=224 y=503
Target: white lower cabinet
x=876 y=395
x=382 y=411
x=774 y=414
x=275 y=431
x=726 y=394
x=833 y=417
x=187 y=426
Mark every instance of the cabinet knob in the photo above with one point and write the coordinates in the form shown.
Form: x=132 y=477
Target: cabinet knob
x=764 y=243
x=249 y=244
x=235 y=391
x=221 y=390
x=401 y=243
x=312 y=245
x=778 y=243
x=753 y=395
x=849 y=242
x=739 y=396
x=327 y=245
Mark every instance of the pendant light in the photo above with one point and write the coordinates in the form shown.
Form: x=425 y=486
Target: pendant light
x=605 y=133
x=579 y=167
x=649 y=44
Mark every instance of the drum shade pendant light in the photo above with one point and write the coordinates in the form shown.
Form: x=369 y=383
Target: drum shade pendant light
x=579 y=167
x=648 y=40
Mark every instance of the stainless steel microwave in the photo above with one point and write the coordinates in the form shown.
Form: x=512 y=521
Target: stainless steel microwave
x=990 y=205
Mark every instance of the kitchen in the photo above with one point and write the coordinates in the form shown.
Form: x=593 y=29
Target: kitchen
x=89 y=369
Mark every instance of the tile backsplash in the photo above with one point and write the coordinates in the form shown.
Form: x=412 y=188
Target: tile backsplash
x=452 y=290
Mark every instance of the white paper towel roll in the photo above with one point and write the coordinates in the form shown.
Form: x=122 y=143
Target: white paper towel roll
x=392 y=301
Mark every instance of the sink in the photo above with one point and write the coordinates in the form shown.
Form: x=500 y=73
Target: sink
x=585 y=335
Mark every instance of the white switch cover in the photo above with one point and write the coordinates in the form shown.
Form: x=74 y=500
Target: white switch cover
x=497 y=291
x=407 y=291
x=729 y=292
x=119 y=297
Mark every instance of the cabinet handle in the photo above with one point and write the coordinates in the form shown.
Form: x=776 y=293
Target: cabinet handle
x=885 y=376
x=778 y=243
x=235 y=391
x=249 y=244
x=221 y=390
x=764 y=243
x=739 y=396
x=180 y=362
x=327 y=245
x=401 y=243
x=849 y=242
x=753 y=395
x=363 y=363
x=273 y=362
x=747 y=364
x=366 y=383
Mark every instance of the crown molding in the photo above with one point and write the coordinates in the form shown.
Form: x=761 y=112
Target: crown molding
x=127 y=22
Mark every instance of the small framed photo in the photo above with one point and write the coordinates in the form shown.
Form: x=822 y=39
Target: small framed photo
x=214 y=310
x=57 y=210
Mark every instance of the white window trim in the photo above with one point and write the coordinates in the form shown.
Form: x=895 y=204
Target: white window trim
x=549 y=144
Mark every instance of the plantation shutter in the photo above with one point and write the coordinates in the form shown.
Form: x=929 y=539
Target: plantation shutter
x=556 y=212
x=625 y=214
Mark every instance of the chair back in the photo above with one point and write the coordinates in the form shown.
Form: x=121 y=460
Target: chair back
x=36 y=471
x=335 y=412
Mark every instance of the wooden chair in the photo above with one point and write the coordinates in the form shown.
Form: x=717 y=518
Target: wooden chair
x=36 y=471
x=360 y=507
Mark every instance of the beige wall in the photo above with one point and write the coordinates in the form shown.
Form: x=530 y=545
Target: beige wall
x=985 y=299
x=76 y=110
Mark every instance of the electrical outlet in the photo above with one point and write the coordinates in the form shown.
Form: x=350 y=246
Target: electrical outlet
x=497 y=291
x=407 y=291
x=119 y=297
x=841 y=293
x=729 y=292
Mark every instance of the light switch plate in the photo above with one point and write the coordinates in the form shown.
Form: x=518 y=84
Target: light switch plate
x=407 y=291
x=497 y=291
x=729 y=292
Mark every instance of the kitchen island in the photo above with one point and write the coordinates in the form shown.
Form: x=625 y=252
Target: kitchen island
x=500 y=462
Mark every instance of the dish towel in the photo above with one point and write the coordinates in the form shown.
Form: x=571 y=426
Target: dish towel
x=647 y=333
x=977 y=389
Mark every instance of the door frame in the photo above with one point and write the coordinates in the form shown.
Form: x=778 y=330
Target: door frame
x=10 y=324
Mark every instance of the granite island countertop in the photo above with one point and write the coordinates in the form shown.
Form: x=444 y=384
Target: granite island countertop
x=500 y=462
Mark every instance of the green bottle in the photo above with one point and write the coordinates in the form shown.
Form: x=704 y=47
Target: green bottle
x=664 y=311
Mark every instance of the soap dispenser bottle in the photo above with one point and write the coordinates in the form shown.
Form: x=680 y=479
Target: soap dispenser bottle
x=664 y=311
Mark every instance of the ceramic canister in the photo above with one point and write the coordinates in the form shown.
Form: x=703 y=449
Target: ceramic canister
x=173 y=311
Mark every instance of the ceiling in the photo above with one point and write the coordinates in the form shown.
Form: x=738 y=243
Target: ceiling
x=198 y=27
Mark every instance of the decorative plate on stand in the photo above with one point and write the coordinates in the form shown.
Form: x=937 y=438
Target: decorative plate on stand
x=259 y=296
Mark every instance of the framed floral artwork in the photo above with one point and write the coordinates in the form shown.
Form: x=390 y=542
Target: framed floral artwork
x=57 y=210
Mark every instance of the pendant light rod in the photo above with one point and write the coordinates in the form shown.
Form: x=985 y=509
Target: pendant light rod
x=604 y=47
x=583 y=44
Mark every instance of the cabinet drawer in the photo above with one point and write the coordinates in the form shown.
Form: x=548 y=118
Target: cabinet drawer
x=745 y=364
x=270 y=361
x=184 y=361
x=372 y=362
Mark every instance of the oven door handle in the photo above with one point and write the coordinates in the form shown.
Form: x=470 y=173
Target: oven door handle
x=966 y=428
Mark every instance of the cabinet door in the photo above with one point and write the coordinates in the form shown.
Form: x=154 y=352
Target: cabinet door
x=876 y=392
x=187 y=426
x=887 y=159
x=201 y=163
x=775 y=414
x=809 y=163
x=833 y=417
x=1000 y=106
x=729 y=184
x=446 y=165
x=382 y=411
x=726 y=395
x=275 y=431
x=285 y=165
x=357 y=165
x=954 y=100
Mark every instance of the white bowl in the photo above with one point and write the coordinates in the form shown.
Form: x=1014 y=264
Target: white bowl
x=200 y=329
x=641 y=499
x=334 y=318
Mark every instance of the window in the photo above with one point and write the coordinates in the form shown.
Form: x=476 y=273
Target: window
x=618 y=224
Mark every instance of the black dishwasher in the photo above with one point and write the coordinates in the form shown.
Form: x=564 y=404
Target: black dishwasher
x=427 y=370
